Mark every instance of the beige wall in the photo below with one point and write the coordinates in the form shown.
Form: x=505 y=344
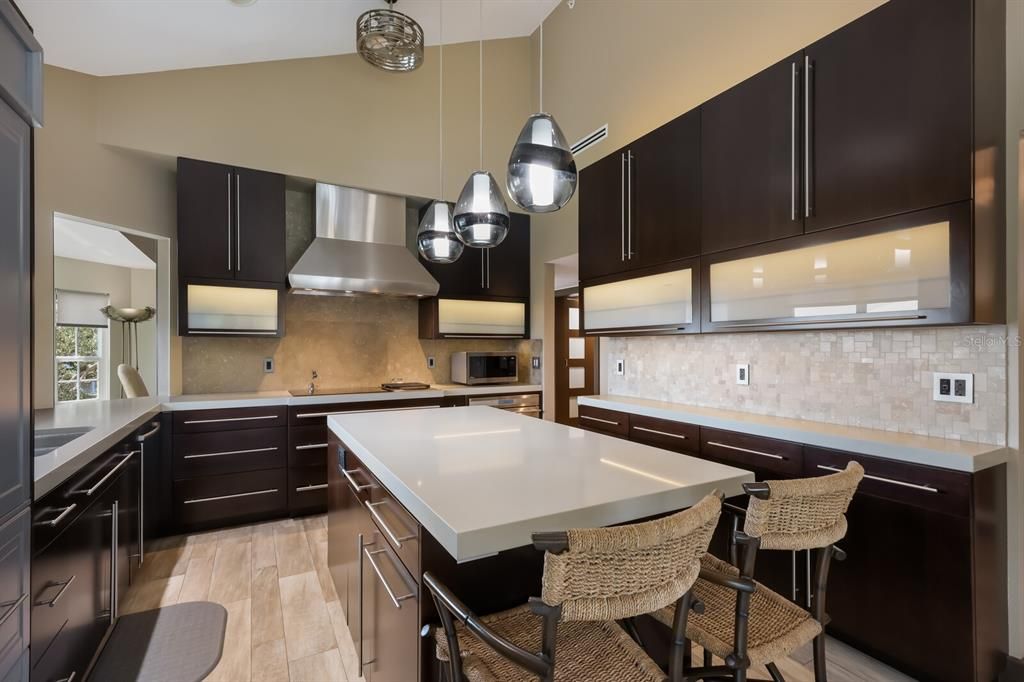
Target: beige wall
x=107 y=150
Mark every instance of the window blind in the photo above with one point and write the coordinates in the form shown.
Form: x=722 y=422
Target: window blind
x=81 y=308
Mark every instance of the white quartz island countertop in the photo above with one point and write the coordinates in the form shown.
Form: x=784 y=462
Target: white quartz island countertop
x=482 y=480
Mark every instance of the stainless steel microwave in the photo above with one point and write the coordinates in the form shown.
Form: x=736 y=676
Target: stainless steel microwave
x=485 y=367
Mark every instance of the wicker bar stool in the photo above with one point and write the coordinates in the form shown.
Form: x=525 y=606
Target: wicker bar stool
x=592 y=578
x=745 y=623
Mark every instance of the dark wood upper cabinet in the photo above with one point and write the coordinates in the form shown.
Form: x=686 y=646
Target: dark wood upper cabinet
x=602 y=217
x=502 y=272
x=663 y=187
x=230 y=223
x=750 y=168
x=890 y=113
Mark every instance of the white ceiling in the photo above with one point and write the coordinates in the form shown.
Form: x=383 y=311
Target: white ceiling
x=110 y=37
x=88 y=242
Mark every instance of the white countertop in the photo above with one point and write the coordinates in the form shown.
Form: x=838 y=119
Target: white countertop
x=482 y=480
x=904 y=447
x=111 y=420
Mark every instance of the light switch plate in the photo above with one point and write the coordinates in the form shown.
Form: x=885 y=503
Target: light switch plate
x=951 y=387
x=431 y=362
x=620 y=367
x=743 y=373
x=268 y=365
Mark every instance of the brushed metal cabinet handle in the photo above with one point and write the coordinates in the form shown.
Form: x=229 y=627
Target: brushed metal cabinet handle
x=114 y=510
x=143 y=436
x=372 y=506
x=109 y=474
x=12 y=607
x=738 y=448
x=483 y=256
x=69 y=678
x=238 y=221
x=629 y=211
x=808 y=68
x=229 y=220
x=625 y=330
x=598 y=419
x=54 y=522
x=396 y=600
x=229 y=419
x=359 y=606
x=229 y=452
x=838 y=320
x=230 y=497
x=660 y=433
x=352 y=482
x=793 y=135
x=890 y=481
x=311 y=446
x=622 y=206
x=308 y=488
x=60 y=593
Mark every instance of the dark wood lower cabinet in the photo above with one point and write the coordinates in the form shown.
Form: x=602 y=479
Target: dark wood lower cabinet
x=15 y=591
x=390 y=601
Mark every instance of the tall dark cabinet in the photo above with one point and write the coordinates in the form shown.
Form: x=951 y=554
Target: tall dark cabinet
x=20 y=110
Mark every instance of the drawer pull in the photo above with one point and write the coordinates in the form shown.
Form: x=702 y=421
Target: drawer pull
x=598 y=419
x=12 y=607
x=311 y=446
x=310 y=415
x=54 y=522
x=69 y=678
x=753 y=452
x=397 y=601
x=110 y=474
x=915 y=486
x=229 y=419
x=308 y=488
x=60 y=593
x=229 y=452
x=372 y=506
x=352 y=482
x=660 y=433
x=143 y=436
x=231 y=497
x=633 y=330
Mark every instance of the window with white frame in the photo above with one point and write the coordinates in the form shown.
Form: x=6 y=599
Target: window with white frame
x=78 y=357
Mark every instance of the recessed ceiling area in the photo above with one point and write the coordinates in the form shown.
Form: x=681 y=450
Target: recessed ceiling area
x=84 y=241
x=113 y=37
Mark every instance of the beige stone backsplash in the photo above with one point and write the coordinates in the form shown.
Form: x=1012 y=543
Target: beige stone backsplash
x=349 y=341
x=878 y=379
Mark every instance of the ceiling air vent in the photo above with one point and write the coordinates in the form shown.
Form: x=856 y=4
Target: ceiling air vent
x=588 y=141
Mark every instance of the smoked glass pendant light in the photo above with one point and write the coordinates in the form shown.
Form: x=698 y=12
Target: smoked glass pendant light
x=541 y=170
x=481 y=216
x=436 y=238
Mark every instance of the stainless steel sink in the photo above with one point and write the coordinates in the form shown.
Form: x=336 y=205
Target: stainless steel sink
x=48 y=440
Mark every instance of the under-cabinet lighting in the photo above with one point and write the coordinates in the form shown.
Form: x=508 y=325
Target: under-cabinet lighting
x=816 y=310
x=891 y=306
x=639 y=472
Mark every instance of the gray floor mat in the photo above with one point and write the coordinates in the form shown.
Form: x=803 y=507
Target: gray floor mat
x=179 y=643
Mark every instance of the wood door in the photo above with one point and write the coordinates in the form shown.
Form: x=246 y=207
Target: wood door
x=663 y=218
x=205 y=220
x=575 y=361
x=260 y=228
x=750 y=153
x=15 y=310
x=461 y=279
x=507 y=266
x=890 y=113
x=601 y=217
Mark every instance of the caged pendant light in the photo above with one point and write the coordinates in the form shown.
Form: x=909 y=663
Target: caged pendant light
x=436 y=238
x=541 y=170
x=389 y=40
x=481 y=216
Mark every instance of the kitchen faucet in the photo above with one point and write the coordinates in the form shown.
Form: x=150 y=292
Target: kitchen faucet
x=311 y=389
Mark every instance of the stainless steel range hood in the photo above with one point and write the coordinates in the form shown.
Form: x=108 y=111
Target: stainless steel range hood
x=360 y=248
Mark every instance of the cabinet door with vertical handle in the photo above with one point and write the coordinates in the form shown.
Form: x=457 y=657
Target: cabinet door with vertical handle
x=206 y=219
x=602 y=235
x=259 y=227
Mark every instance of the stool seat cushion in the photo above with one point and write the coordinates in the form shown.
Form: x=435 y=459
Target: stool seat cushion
x=775 y=628
x=585 y=651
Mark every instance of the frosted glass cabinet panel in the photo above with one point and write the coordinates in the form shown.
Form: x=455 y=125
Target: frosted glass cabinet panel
x=231 y=310
x=655 y=303
x=897 y=275
x=458 y=317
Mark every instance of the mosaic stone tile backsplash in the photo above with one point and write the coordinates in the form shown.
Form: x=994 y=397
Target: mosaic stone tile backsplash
x=879 y=379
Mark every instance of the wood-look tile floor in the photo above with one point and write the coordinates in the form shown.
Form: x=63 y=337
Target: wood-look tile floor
x=285 y=623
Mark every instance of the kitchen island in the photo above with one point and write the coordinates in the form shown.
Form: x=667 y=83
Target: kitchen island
x=458 y=492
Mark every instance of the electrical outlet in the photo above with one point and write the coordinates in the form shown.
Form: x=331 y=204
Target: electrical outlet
x=620 y=367
x=268 y=365
x=431 y=362
x=950 y=387
x=535 y=362
x=743 y=374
